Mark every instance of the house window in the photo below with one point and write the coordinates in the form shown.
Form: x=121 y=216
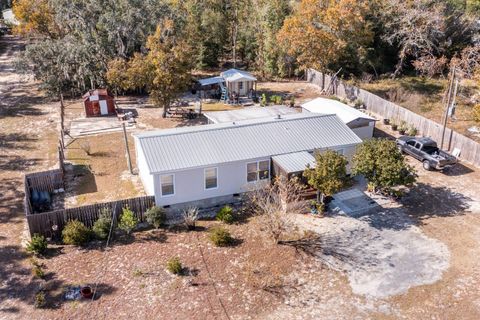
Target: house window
x=211 y=178
x=240 y=85
x=252 y=171
x=258 y=170
x=264 y=170
x=340 y=151
x=167 y=184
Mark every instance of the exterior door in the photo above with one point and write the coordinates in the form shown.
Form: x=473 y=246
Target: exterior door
x=103 y=107
x=95 y=108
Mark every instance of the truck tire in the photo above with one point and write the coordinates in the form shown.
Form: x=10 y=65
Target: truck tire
x=426 y=165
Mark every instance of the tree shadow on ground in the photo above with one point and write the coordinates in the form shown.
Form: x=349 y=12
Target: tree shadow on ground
x=425 y=201
x=11 y=206
x=56 y=289
x=458 y=170
x=80 y=179
x=17 y=163
x=16 y=141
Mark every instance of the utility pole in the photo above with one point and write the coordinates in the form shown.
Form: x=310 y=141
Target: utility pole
x=62 y=121
x=129 y=161
x=448 y=101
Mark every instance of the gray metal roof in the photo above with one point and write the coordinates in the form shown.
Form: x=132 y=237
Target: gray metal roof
x=248 y=113
x=200 y=146
x=294 y=162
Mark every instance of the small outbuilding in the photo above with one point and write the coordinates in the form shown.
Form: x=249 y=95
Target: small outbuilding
x=359 y=122
x=230 y=85
x=99 y=102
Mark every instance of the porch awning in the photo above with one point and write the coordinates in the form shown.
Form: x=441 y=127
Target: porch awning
x=212 y=80
x=294 y=162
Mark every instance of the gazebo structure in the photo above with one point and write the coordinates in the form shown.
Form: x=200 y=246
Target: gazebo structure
x=231 y=85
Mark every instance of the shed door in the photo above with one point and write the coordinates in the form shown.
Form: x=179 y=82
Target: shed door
x=103 y=107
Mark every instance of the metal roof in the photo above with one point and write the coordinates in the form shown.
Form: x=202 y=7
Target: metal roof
x=205 y=145
x=294 y=162
x=248 y=113
x=330 y=106
x=212 y=80
x=234 y=75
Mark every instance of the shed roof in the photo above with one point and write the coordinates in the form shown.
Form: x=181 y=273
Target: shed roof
x=96 y=92
x=248 y=113
x=294 y=162
x=199 y=146
x=234 y=75
x=330 y=106
x=210 y=81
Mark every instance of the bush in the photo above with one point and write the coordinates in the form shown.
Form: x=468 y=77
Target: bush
x=128 y=221
x=225 y=215
x=403 y=126
x=476 y=112
x=276 y=99
x=220 y=237
x=37 y=272
x=40 y=300
x=412 y=131
x=190 y=217
x=37 y=245
x=76 y=233
x=156 y=216
x=174 y=266
x=101 y=228
x=263 y=100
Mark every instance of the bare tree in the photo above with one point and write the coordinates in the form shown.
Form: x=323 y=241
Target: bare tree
x=275 y=204
x=417 y=27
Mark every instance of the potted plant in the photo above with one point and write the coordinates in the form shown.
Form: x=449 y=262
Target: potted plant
x=394 y=125
x=412 y=131
x=86 y=292
x=402 y=128
x=386 y=121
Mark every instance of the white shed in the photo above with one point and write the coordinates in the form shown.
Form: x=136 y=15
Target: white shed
x=360 y=123
x=239 y=81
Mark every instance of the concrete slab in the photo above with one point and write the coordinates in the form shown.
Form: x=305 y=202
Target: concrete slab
x=89 y=126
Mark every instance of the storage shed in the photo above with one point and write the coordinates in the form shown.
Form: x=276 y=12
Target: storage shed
x=360 y=123
x=98 y=102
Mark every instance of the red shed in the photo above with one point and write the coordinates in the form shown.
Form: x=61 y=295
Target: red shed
x=98 y=102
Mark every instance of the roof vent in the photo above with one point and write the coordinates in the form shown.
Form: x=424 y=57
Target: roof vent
x=279 y=116
x=233 y=122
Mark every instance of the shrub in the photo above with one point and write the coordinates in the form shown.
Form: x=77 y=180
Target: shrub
x=40 y=300
x=412 y=131
x=403 y=126
x=476 y=112
x=358 y=103
x=156 y=216
x=128 y=221
x=190 y=216
x=276 y=99
x=76 y=233
x=37 y=245
x=37 y=272
x=101 y=228
x=292 y=101
x=85 y=146
x=174 y=266
x=220 y=237
x=225 y=214
x=263 y=100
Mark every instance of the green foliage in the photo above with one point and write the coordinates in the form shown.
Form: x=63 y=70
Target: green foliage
x=412 y=131
x=156 y=216
x=263 y=100
x=329 y=174
x=225 y=214
x=174 y=266
x=76 y=233
x=220 y=237
x=476 y=113
x=382 y=164
x=38 y=272
x=403 y=126
x=275 y=99
x=37 y=245
x=101 y=228
x=128 y=222
x=40 y=300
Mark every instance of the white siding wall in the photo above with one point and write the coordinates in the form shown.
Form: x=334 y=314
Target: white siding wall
x=190 y=184
x=364 y=132
x=143 y=172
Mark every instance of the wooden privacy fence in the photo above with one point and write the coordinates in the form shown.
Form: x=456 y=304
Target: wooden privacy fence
x=41 y=181
x=470 y=150
x=51 y=224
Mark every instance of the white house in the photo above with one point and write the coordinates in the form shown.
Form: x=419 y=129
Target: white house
x=232 y=81
x=212 y=164
x=360 y=123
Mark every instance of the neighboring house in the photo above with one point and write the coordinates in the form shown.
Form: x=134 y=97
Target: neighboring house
x=232 y=82
x=248 y=113
x=98 y=102
x=212 y=164
x=360 y=123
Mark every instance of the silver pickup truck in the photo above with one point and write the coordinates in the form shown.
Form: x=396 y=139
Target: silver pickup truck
x=426 y=150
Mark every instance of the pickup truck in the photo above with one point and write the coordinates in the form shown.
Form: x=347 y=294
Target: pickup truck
x=426 y=150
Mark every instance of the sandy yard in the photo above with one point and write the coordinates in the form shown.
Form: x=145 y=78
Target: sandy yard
x=415 y=259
